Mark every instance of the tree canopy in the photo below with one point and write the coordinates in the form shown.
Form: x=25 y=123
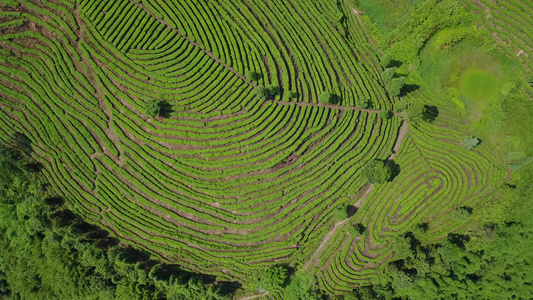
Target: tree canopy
x=376 y=172
x=48 y=252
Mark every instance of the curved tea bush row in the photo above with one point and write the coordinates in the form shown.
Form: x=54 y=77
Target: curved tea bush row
x=509 y=21
x=223 y=182
x=436 y=177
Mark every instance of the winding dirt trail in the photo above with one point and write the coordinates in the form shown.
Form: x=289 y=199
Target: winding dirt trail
x=326 y=240
x=332 y=106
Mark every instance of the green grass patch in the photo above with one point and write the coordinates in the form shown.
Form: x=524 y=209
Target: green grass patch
x=389 y=14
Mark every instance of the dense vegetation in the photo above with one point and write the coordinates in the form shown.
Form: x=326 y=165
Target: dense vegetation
x=284 y=149
x=48 y=252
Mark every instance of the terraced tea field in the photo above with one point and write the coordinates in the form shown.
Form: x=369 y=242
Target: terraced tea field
x=222 y=182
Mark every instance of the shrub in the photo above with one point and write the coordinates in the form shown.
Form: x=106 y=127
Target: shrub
x=394 y=87
x=272 y=90
x=341 y=212
x=327 y=98
x=385 y=115
x=362 y=103
x=376 y=172
x=388 y=75
x=385 y=61
x=252 y=75
x=291 y=94
x=470 y=143
x=152 y=108
x=273 y=279
x=261 y=93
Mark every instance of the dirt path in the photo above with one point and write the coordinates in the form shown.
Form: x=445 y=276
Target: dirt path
x=404 y=129
x=326 y=240
x=333 y=106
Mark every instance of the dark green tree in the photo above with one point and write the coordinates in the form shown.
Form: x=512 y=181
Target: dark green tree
x=261 y=93
x=376 y=172
x=395 y=85
x=327 y=98
x=362 y=103
x=388 y=75
x=152 y=108
x=469 y=143
x=385 y=115
x=273 y=279
x=385 y=60
x=252 y=75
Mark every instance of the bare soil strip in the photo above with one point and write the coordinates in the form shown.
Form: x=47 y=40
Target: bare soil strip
x=326 y=240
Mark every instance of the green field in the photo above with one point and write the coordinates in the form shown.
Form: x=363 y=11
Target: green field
x=230 y=138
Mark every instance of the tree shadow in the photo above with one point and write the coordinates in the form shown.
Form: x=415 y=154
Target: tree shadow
x=106 y=242
x=394 y=167
x=63 y=218
x=34 y=167
x=352 y=210
x=394 y=64
x=165 y=109
x=458 y=239
x=408 y=88
x=23 y=142
x=430 y=113
x=467 y=208
x=360 y=228
x=54 y=202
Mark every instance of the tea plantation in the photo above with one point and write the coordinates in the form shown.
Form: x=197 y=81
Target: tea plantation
x=275 y=149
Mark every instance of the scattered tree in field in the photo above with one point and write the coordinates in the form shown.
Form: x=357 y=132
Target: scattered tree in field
x=264 y=93
x=261 y=93
x=360 y=228
x=356 y=230
x=152 y=108
x=341 y=212
x=388 y=75
x=273 y=279
x=430 y=113
x=385 y=115
x=395 y=85
x=252 y=75
x=327 y=98
x=385 y=60
x=417 y=112
x=460 y=215
x=470 y=142
x=291 y=94
x=272 y=90
x=401 y=105
x=362 y=103
x=376 y=172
